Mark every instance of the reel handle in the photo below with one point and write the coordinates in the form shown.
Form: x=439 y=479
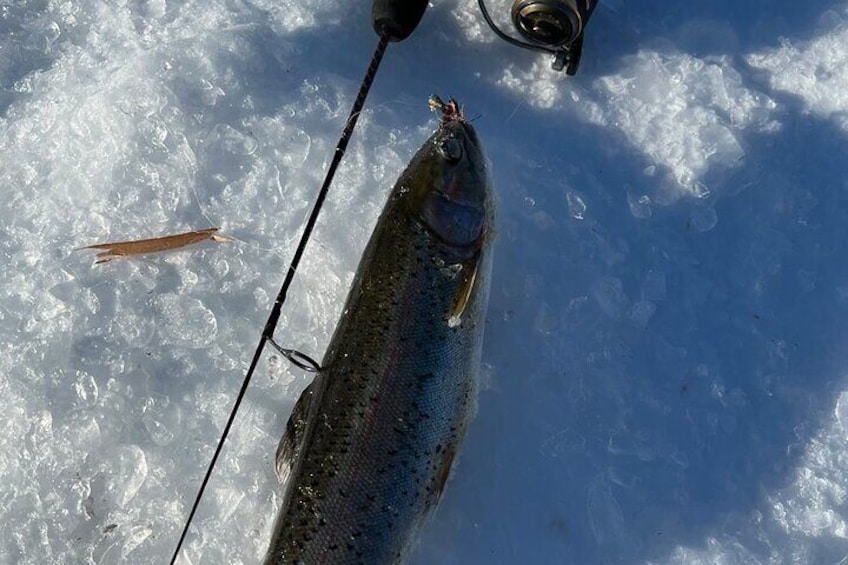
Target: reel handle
x=397 y=19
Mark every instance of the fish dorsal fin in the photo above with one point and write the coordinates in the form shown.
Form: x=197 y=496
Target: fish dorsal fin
x=465 y=291
x=292 y=440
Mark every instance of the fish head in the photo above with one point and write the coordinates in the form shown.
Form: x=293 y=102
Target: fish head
x=450 y=186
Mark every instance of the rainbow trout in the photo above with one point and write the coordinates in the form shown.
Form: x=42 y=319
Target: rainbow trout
x=369 y=445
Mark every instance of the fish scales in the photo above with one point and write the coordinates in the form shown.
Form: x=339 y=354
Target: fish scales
x=370 y=443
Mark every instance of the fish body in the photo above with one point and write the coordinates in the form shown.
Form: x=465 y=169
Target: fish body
x=370 y=443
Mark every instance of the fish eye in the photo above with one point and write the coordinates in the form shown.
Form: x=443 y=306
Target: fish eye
x=450 y=149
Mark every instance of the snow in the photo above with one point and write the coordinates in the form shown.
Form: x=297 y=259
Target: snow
x=665 y=363
x=813 y=69
x=685 y=114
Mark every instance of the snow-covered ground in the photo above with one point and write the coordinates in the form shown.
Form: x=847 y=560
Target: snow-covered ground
x=666 y=371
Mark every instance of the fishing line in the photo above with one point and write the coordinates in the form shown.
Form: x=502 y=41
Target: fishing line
x=299 y=359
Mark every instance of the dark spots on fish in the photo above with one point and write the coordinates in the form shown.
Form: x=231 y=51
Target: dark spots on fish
x=415 y=404
x=423 y=379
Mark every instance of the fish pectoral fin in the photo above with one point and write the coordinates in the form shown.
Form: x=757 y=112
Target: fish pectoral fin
x=465 y=291
x=292 y=440
x=440 y=479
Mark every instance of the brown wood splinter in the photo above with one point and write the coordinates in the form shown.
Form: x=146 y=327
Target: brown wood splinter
x=117 y=249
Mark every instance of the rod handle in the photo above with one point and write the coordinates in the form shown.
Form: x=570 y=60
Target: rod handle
x=397 y=19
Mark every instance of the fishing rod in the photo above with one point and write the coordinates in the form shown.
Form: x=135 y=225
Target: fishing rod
x=551 y=26
x=393 y=20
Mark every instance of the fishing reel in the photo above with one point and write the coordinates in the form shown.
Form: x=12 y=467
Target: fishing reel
x=550 y=26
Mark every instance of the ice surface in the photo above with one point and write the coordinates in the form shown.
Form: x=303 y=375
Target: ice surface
x=665 y=364
x=683 y=113
x=813 y=69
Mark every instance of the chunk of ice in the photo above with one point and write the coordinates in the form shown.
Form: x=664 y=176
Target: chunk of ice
x=86 y=389
x=124 y=469
x=576 y=205
x=184 y=321
x=641 y=312
x=160 y=419
x=703 y=219
x=639 y=204
x=609 y=293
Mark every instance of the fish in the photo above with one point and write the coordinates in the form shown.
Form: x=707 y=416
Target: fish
x=371 y=441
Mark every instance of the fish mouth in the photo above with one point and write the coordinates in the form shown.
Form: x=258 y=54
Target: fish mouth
x=451 y=110
x=453 y=123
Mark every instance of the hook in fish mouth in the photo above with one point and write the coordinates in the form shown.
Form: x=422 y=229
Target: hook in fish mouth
x=451 y=111
x=454 y=124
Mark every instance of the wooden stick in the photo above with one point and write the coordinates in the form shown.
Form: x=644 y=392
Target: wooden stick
x=118 y=249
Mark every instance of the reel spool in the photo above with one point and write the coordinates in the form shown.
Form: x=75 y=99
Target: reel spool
x=549 y=22
x=552 y=26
